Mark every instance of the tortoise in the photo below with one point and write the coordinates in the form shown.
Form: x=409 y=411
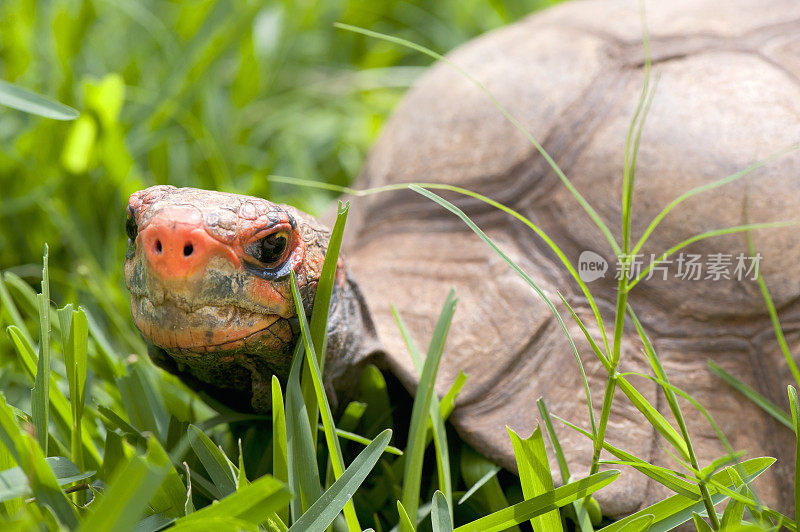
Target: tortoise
x=208 y=271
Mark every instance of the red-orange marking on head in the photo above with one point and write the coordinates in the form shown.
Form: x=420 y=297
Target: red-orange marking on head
x=176 y=245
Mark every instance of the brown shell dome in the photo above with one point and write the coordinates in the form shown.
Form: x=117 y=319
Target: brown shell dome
x=728 y=95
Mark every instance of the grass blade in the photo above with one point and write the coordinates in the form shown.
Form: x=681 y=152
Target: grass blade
x=658 y=369
x=40 y=395
x=734 y=511
x=404 y=523
x=215 y=523
x=766 y=405
x=700 y=524
x=334 y=450
x=634 y=136
x=773 y=313
x=214 y=460
x=111 y=366
x=661 y=475
x=7 y=305
x=74 y=339
x=280 y=465
x=580 y=507
x=348 y=421
x=375 y=394
x=44 y=484
x=717 y=430
x=719 y=463
x=795 y=406
x=640 y=524
x=540 y=504
x=253 y=503
x=29 y=456
x=440 y=513
x=170 y=498
x=704 y=188
x=21 y=99
x=412 y=474
x=680 y=483
x=26 y=295
x=347 y=435
x=595 y=348
x=448 y=402
x=241 y=477
x=436 y=419
x=479 y=484
x=275 y=523
x=303 y=470
x=653 y=416
x=318 y=325
x=189 y=506
x=327 y=507
x=695 y=403
x=678 y=509
x=60 y=406
x=319 y=315
x=14 y=482
x=144 y=405
x=534 y=475
x=548 y=423
x=115 y=421
x=709 y=234
x=477 y=469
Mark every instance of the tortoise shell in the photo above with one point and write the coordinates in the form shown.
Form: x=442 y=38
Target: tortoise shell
x=728 y=95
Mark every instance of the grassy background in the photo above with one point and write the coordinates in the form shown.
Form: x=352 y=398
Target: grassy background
x=200 y=93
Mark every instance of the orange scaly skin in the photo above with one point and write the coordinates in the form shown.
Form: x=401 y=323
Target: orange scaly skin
x=210 y=310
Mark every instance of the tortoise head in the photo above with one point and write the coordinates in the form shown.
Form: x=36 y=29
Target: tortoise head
x=209 y=277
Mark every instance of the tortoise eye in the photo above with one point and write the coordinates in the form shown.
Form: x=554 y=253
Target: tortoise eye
x=131 y=229
x=268 y=250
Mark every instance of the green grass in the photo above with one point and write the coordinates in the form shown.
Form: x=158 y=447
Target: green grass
x=93 y=437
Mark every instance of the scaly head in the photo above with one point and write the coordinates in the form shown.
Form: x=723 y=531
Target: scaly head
x=208 y=274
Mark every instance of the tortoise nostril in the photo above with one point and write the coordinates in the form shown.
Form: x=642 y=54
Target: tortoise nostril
x=175 y=245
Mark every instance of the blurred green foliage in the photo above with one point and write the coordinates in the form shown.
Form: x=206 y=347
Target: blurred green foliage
x=199 y=93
